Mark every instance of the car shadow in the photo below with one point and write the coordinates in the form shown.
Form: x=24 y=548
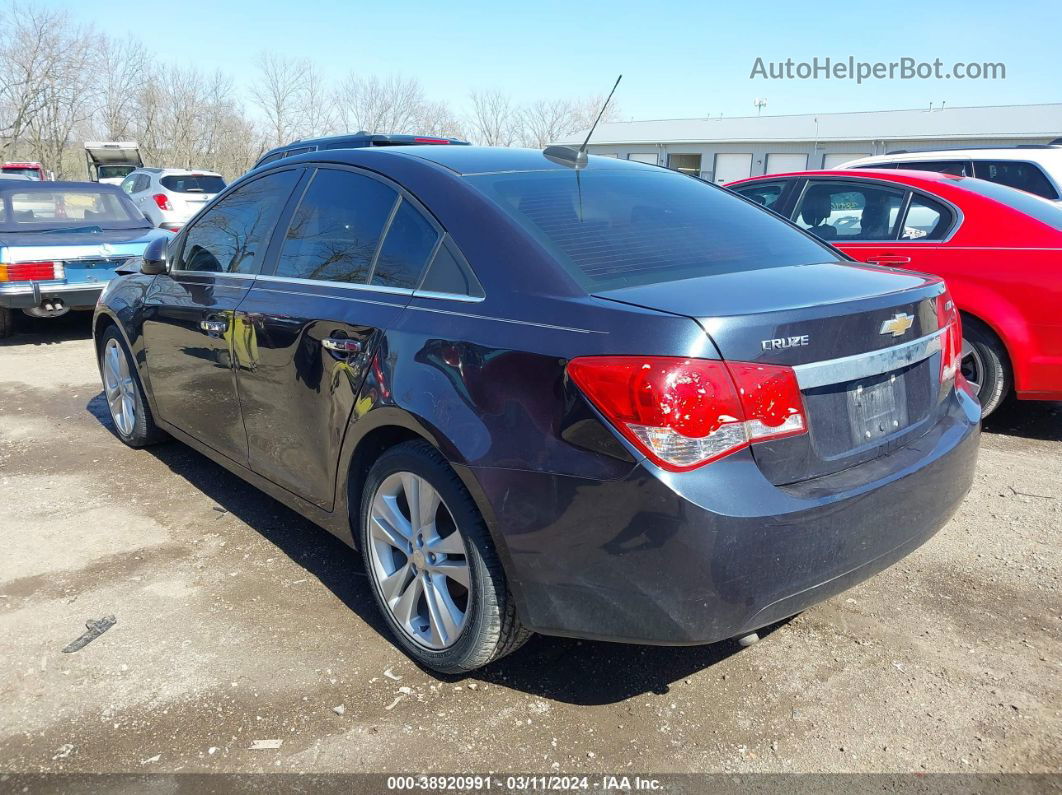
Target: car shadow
x=49 y=331
x=563 y=669
x=1028 y=419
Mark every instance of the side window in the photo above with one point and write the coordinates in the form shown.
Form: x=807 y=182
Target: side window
x=300 y=151
x=405 y=251
x=269 y=159
x=450 y=274
x=960 y=168
x=334 y=233
x=143 y=182
x=847 y=212
x=232 y=236
x=1014 y=174
x=127 y=184
x=764 y=194
x=926 y=220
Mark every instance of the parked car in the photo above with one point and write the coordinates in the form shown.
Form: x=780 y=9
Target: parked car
x=28 y=170
x=997 y=248
x=169 y=197
x=110 y=162
x=60 y=243
x=609 y=402
x=352 y=141
x=1031 y=168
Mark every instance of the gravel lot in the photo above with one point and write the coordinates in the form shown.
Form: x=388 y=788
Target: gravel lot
x=237 y=621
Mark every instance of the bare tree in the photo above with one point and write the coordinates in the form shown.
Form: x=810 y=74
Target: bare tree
x=495 y=120
x=120 y=70
x=278 y=92
x=380 y=105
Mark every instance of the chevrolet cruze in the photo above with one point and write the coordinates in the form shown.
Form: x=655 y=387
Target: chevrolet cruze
x=548 y=393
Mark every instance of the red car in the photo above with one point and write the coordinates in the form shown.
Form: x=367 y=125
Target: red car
x=998 y=249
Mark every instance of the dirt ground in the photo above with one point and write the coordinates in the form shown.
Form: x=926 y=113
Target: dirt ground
x=237 y=621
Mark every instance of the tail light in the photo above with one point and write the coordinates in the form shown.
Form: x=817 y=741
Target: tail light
x=31 y=271
x=162 y=201
x=685 y=413
x=951 y=344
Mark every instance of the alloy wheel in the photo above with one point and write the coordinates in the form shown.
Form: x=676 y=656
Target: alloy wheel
x=119 y=387
x=418 y=560
x=973 y=366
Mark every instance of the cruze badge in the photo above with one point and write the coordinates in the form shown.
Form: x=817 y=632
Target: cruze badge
x=897 y=325
x=784 y=342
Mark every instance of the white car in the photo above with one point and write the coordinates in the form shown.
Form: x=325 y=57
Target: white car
x=1034 y=169
x=169 y=197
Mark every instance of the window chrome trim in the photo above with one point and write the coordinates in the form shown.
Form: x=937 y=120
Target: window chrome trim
x=863 y=365
x=468 y=299
x=372 y=288
x=174 y=272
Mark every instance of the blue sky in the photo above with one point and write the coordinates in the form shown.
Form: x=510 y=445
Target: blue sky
x=679 y=59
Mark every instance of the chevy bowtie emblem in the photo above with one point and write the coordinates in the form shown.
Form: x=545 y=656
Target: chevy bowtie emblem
x=897 y=325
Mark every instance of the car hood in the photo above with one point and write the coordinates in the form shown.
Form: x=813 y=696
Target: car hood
x=71 y=245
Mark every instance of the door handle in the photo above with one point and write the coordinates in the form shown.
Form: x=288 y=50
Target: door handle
x=342 y=345
x=214 y=326
x=889 y=259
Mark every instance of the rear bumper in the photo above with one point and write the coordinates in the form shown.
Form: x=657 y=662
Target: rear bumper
x=79 y=295
x=703 y=556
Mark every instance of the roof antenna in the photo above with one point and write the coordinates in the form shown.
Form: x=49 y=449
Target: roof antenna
x=576 y=158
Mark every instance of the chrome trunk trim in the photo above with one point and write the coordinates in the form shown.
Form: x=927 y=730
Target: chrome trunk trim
x=863 y=365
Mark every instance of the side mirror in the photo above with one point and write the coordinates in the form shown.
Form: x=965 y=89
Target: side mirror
x=155 y=257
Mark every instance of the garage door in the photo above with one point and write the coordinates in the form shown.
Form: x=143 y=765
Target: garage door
x=837 y=158
x=781 y=163
x=729 y=167
x=643 y=157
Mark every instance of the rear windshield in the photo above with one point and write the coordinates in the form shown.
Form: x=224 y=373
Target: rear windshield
x=32 y=173
x=615 y=229
x=193 y=183
x=43 y=210
x=1042 y=210
x=108 y=172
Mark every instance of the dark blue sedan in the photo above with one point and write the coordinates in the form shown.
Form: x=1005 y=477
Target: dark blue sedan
x=542 y=393
x=60 y=243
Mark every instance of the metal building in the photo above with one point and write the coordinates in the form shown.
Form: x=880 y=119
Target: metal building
x=725 y=149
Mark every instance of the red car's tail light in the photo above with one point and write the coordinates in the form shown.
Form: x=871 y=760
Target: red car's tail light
x=684 y=413
x=951 y=342
x=162 y=201
x=31 y=271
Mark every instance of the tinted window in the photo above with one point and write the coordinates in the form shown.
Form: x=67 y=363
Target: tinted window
x=300 y=151
x=193 y=183
x=1023 y=176
x=622 y=228
x=409 y=242
x=926 y=220
x=269 y=159
x=960 y=168
x=143 y=182
x=232 y=236
x=450 y=274
x=335 y=230
x=764 y=194
x=845 y=211
x=1042 y=210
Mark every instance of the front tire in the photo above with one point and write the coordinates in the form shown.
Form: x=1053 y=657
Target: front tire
x=985 y=364
x=434 y=571
x=130 y=414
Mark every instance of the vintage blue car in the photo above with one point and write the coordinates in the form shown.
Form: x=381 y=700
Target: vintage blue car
x=60 y=243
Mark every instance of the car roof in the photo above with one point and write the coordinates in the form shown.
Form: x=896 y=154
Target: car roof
x=66 y=185
x=466 y=160
x=1038 y=154
x=166 y=172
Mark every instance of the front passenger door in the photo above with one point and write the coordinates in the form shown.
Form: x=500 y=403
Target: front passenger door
x=189 y=312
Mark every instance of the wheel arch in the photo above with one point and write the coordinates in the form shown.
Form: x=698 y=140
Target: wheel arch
x=999 y=316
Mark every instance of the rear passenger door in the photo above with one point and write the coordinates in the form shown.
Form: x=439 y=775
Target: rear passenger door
x=350 y=253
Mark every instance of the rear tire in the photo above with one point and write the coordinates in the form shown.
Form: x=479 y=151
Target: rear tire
x=130 y=414
x=7 y=322
x=985 y=364
x=480 y=624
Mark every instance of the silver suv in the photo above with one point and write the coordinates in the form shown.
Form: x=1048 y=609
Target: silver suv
x=169 y=197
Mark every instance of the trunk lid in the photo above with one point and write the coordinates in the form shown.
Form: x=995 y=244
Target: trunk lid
x=863 y=340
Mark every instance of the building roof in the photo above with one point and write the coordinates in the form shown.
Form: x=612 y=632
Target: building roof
x=995 y=121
